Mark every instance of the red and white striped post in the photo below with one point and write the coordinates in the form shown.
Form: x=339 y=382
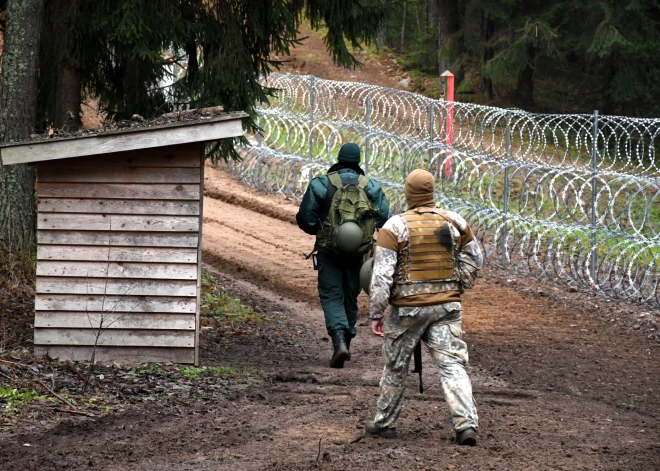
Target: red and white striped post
x=447 y=82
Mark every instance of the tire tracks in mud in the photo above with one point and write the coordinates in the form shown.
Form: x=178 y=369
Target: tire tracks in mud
x=528 y=360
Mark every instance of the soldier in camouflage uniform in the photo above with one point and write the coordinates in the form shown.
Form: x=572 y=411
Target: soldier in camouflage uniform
x=424 y=260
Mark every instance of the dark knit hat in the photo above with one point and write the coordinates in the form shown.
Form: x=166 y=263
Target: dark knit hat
x=349 y=152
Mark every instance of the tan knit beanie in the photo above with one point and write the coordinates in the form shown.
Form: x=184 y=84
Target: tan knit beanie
x=419 y=189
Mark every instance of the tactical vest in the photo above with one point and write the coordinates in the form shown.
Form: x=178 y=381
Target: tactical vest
x=428 y=265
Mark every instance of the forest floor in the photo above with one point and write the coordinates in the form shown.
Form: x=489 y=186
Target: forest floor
x=562 y=379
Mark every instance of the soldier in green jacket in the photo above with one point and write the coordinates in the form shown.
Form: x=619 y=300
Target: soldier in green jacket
x=339 y=273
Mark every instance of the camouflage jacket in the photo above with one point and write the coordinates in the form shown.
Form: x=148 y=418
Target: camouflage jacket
x=393 y=237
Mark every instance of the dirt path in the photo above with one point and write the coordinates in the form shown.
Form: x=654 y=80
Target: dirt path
x=556 y=388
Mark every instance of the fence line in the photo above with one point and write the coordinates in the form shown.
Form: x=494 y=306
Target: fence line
x=572 y=198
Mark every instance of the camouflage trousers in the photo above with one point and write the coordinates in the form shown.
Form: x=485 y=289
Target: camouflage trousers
x=439 y=327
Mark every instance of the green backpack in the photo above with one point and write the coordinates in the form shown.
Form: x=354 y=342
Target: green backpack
x=349 y=204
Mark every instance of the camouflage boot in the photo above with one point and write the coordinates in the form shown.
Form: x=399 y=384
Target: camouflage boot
x=340 y=350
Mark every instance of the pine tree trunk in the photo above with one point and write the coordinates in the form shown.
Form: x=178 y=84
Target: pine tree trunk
x=403 y=25
x=18 y=105
x=68 y=97
x=448 y=23
x=69 y=89
x=381 y=37
x=431 y=13
x=525 y=88
x=489 y=53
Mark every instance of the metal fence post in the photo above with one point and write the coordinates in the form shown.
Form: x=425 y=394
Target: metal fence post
x=367 y=122
x=594 y=197
x=507 y=186
x=431 y=131
x=312 y=103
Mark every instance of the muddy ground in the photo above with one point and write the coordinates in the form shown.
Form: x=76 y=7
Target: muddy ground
x=559 y=383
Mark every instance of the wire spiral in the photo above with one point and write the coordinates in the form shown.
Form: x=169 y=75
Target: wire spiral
x=570 y=198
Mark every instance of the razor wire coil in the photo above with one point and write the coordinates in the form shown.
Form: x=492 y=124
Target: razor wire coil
x=570 y=198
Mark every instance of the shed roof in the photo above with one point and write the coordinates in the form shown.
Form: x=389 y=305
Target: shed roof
x=172 y=130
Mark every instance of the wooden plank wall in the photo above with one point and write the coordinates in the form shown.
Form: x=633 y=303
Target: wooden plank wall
x=119 y=238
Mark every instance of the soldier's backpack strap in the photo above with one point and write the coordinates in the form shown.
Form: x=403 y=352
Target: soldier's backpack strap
x=335 y=179
x=335 y=183
x=363 y=181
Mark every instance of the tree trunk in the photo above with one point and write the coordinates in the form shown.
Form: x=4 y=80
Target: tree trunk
x=381 y=37
x=489 y=53
x=403 y=26
x=525 y=88
x=68 y=90
x=68 y=97
x=18 y=109
x=448 y=23
x=431 y=13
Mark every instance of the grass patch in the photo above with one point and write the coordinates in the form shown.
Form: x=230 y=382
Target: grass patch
x=216 y=302
x=222 y=372
x=13 y=396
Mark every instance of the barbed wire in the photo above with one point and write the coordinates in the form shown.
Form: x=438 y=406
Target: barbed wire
x=571 y=198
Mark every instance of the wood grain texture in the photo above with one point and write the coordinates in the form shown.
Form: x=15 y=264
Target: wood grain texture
x=112 y=337
x=55 y=285
x=101 y=174
x=106 y=206
x=154 y=271
x=164 y=191
x=117 y=254
x=183 y=155
x=202 y=157
x=120 y=354
x=98 y=320
x=122 y=140
x=154 y=239
x=116 y=304
x=116 y=222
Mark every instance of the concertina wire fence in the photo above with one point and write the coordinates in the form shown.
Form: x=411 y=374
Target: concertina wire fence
x=570 y=198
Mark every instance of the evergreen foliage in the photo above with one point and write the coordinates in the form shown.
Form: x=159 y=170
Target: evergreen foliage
x=604 y=51
x=121 y=49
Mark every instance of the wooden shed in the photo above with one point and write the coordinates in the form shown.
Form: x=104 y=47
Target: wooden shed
x=120 y=239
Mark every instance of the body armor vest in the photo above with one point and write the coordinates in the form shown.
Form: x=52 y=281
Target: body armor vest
x=428 y=264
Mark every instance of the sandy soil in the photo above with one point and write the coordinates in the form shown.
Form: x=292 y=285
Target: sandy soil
x=556 y=387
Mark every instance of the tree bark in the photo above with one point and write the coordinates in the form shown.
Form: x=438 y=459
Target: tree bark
x=489 y=53
x=403 y=26
x=525 y=88
x=18 y=109
x=447 y=23
x=68 y=88
x=381 y=37
x=68 y=97
x=431 y=13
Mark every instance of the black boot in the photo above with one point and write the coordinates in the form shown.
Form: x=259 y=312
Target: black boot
x=467 y=437
x=341 y=350
x=348 y=346
x=371 y=429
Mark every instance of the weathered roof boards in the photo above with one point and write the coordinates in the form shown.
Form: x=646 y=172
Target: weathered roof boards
x=120 y=240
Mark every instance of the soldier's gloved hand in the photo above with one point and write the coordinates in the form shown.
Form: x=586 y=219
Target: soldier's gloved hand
x=377 y=326
x=468 y=275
